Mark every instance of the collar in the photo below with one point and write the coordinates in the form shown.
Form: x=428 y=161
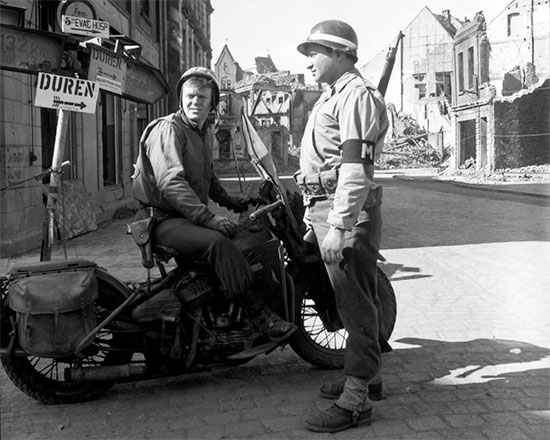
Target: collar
x=190 y=124
x=344 y=79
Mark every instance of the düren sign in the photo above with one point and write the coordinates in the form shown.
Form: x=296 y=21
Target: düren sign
x=63 y=92
x=107 y=68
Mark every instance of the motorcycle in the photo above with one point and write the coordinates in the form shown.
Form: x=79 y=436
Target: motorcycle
x=70 y=330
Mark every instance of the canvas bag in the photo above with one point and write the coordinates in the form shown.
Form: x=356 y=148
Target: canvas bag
x=55 y=311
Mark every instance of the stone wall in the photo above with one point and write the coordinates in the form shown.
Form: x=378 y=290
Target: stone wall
x=522 y=127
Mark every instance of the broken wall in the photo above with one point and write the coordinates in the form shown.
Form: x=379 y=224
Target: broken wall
x=522 y=129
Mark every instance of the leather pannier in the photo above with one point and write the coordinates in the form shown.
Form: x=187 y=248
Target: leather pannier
x=55 y=310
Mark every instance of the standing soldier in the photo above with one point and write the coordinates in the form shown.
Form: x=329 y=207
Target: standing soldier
x=343 y=138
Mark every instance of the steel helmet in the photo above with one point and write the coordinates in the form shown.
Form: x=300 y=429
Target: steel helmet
x=201 y=72
x=334 y=34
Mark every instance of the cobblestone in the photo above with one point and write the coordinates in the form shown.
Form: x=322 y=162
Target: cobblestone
x=471 y=355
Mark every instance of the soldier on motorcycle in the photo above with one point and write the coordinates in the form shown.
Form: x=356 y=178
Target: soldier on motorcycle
x=173 y=180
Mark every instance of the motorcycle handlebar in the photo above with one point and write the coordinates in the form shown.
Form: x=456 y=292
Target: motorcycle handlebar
x=265 y=210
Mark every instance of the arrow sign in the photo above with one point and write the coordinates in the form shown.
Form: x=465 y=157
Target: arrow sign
x=84 y=26
x=63 y=92
x=58 y=102
x=107 y=68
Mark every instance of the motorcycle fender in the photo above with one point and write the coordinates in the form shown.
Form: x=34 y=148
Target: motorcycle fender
x=104 y=276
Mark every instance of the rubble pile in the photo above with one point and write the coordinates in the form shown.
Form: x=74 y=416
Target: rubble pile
x=407 y=145
x=468 y=173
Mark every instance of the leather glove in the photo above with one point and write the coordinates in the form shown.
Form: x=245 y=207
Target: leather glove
x=222 y=224
x=236 y=204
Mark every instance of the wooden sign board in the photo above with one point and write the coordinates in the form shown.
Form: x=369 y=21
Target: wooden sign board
x=84 y=26
x=67 y=93
x=30 y=51
x=107 y=68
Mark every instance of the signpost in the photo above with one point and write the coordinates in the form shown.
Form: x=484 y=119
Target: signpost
x=107 y=68
x=63 y=92
x=84 y=26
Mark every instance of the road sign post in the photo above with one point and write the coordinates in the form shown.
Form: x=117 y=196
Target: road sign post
x=48 y=233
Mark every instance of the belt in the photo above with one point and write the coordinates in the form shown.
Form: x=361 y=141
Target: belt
x=321 y=184
x=159 y=214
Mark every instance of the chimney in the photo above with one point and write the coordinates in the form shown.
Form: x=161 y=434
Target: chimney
x=447 y=14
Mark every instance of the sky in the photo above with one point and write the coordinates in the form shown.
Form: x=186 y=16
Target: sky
x=252 y=28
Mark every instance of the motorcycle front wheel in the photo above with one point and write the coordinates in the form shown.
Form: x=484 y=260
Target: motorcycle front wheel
x=324 y=347
x=43 y=378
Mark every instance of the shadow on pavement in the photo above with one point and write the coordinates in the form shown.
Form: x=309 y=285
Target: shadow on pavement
x=480 y=365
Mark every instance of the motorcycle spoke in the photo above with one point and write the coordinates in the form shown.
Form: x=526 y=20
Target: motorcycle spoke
x=316 y=330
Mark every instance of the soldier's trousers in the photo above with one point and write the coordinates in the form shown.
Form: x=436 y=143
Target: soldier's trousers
x=196 y=242
x=355 y=284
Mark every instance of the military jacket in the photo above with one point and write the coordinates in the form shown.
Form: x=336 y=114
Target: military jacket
x=174 y=170
x=345 y=134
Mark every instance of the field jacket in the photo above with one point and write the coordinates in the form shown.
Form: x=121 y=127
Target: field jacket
x=174 y=170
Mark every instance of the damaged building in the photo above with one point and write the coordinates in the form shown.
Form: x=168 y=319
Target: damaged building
x=477 y=88
x=501 y=116
x=277 y=102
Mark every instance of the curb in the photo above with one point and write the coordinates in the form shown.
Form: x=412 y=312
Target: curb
x=499 y=190
x=479 y=187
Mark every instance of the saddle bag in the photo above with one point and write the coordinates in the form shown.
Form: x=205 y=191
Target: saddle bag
x=55 y=306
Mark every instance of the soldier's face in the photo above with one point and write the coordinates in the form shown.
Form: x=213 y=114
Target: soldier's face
x=322 y=64
x=196 y=103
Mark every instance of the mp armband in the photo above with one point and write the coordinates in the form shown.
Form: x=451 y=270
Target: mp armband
x=358 y=151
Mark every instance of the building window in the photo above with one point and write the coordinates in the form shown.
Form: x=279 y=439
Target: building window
x=460 y=71
x=47 y=16
x=513 y=24
x=443 y=84
x=281 y=99
x=110 y=120
x=471 y=78
x=420 y=84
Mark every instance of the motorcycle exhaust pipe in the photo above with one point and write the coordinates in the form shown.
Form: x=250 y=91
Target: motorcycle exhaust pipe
x=108 y=372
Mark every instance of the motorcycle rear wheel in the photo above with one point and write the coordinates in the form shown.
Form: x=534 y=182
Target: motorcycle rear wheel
x=43 y=378
x=325 y=348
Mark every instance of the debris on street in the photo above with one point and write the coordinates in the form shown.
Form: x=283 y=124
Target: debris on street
x=407 y=144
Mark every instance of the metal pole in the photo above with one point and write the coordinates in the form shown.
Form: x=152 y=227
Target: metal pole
x=48 y=231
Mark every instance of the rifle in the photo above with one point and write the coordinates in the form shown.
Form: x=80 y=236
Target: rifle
x=388 y=67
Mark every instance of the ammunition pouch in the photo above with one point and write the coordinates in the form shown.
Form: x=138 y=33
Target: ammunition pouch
x=321 y=184
x=142 y=231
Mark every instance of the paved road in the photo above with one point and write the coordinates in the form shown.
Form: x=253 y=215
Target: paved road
x=471 y=355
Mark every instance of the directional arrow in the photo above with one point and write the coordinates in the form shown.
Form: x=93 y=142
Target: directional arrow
x=109 y=75
x=57 y=102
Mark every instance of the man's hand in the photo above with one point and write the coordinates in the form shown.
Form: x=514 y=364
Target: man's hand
x=333 y=245
x=222 y=224
x=236 y=204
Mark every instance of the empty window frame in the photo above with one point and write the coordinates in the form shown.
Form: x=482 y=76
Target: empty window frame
x=460 y=71
x=420 y=84
x=443 y=84
x=513 y=24
x=471 y=66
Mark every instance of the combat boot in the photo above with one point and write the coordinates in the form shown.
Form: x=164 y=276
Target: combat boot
x=265 y=319
x=336 y=419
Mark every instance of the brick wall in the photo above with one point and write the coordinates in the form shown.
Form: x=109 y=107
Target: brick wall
x=522 y=128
